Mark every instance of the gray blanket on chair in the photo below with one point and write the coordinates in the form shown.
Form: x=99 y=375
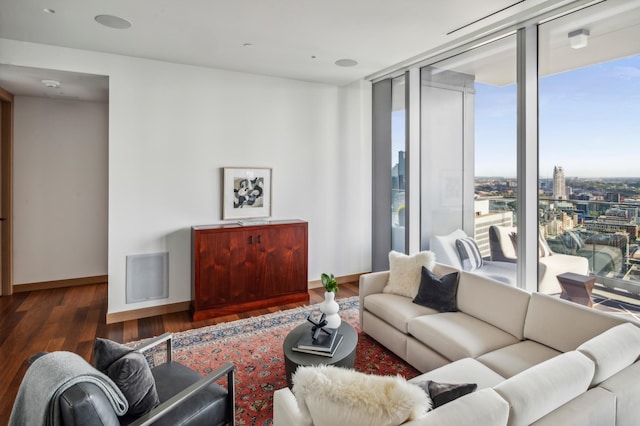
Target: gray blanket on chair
x=37 y=402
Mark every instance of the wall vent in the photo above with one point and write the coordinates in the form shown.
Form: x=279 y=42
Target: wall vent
x=147 y=277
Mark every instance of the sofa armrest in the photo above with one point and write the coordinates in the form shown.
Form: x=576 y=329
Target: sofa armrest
x=371 y=283
x=285 y=409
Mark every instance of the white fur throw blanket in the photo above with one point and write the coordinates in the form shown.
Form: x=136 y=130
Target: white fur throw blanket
x=328 y=396
x=37 y=402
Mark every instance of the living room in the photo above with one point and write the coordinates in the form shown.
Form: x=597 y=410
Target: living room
x=174 y=124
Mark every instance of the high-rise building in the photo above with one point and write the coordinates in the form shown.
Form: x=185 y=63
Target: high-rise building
x=559 y=185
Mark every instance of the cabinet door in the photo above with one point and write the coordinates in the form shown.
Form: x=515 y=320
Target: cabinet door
x=242 y=266
x=212 y=274
x=282 y=260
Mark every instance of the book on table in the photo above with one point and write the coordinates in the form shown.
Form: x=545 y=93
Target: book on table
x=330 y=353
x=323 y=343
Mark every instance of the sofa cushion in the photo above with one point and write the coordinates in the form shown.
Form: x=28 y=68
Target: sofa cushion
x=482 y=408
x=514 y=359
x=466 y=370
x=325 y=393
x=625 y=385
x=396 y=310
x=457 y=335
x=596 y=407
x=542 y=388
x=404 y=272
x=500 y=305
x=612 y=350
x=437 y=293
x=563 y=325
x=469 y=254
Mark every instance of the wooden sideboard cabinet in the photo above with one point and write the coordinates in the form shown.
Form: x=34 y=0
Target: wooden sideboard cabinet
x=240 y=268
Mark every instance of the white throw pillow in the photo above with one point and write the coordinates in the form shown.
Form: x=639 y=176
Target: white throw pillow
x=404 y=272
x=328 y=396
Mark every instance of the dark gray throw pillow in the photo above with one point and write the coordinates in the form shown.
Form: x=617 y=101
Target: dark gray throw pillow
x=438 y=293
x=130 y=372
x=441 y=393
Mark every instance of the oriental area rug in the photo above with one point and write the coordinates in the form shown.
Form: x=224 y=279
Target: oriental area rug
x=254 y=345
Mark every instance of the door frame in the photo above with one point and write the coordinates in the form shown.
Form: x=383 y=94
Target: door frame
x=6 y=183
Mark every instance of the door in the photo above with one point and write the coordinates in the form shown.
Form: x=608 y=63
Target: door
x=6 y=185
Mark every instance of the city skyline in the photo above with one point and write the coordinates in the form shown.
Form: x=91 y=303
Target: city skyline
x=588 y=124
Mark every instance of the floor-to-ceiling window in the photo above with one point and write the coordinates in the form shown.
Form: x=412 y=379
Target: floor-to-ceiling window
x=588 y=148
x=472 y=141
x=398 y=150
x=468 y=149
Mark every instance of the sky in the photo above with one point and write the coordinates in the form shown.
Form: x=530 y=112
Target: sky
x=589 y=123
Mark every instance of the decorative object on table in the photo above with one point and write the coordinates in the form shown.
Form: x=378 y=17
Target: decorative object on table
x=246 y=193
x=330 y=307
x=317 y=339
x=318 y=326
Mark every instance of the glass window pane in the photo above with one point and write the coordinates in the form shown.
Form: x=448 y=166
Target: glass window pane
x=468 y=160
x=589 y=175
x=398 y=149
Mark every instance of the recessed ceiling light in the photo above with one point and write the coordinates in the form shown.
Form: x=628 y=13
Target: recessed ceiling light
x=248 y=45
x=47 y=10
x=112 y=21
x=346 y=63
x=51 y=83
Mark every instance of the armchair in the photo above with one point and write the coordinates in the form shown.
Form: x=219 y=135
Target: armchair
x=550 y=264
x=186 y=397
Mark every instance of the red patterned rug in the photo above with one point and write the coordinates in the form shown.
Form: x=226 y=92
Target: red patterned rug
x=255 y=346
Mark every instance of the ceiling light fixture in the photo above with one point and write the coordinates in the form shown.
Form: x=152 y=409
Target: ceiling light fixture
x=579 y=38
x=54 y=84
x=346 y=63
x=50 y=11
x=112 y=21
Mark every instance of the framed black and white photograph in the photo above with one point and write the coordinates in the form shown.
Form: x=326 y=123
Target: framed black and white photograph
x=246 y=193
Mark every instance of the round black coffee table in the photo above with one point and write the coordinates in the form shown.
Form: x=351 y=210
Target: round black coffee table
x=344 y=357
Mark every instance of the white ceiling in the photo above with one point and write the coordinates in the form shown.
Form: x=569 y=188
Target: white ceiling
x=297 y=39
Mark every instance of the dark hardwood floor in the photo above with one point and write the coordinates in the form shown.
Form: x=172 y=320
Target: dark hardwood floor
x=69 y=319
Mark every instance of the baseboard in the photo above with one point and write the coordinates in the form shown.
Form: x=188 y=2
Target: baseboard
x=152 y=311
x=135 y=314
x=343 y=279
x=71 y=282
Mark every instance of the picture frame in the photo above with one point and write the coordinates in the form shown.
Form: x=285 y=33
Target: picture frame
x=246 y=193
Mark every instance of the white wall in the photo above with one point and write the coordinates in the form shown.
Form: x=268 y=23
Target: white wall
x=173 y=127
x=60 y=189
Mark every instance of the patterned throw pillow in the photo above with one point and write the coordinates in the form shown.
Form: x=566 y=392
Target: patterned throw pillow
x=469 y=254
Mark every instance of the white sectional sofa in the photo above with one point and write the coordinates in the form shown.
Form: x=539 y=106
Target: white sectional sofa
x=536 y=359
x=530 y=350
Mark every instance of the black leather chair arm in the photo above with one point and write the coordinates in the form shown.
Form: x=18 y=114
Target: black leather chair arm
x=175 y=401
x=152 y=343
